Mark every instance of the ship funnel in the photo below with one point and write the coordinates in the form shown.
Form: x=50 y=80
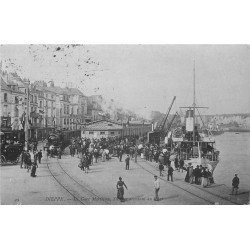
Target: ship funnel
x=190 y=120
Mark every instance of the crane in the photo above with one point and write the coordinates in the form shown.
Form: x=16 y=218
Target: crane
x=155 y=136
x=163 y=122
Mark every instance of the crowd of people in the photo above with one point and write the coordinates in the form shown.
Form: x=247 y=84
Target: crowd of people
x=90 y=151
x=30 y=159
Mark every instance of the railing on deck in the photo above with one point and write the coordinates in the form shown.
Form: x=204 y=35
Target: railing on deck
x=188 y=155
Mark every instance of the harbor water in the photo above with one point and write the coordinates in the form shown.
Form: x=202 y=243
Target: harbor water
x=234 y=158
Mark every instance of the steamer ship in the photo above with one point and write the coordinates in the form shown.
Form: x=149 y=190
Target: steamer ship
x=193 y=144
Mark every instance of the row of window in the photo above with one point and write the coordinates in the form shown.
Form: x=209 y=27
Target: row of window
x=66 y=110
x=102 y=132
x=5 y=98
x=70 y=121
x=33 y=98
x=65 y=98
x=41 y=95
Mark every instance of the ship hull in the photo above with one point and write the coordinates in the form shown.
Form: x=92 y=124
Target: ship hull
x=211 y=165
x=216 y=132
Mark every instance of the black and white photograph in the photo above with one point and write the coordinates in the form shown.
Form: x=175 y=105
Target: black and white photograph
x=124 y=124
x=86 y=124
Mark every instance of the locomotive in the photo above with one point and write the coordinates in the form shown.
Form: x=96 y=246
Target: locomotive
x=60 y=139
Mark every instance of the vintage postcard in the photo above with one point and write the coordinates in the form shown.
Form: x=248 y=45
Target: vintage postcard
x=125 y=124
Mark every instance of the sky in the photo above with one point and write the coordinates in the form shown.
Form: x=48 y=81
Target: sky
x=143 y=77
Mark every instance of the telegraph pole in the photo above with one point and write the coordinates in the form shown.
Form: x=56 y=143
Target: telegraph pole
x=27 y=119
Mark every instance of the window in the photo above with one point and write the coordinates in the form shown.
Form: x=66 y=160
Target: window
x=102 y=133
x=5 y=110
x=41 y=103
x=91 y=132
x=16 y=100
x=35 y=99
x=112 y=132
x=5 y=97
x=31 y=98
x=64 y=121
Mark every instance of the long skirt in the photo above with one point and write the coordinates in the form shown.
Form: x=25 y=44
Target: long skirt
x=204 y=182
x=120 y=193
x=33 y=170
x=187 y=177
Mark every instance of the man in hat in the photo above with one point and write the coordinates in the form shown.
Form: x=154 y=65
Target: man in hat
x=39 y=155
x=170 y=172
x=120 y=154
x=157 y=188
x=181 y=164
x=235 y=184
x=127 y=162
x=161 y=168
x=33 y=169
x=188 y=172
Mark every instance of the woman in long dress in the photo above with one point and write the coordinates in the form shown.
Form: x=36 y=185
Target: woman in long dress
x=33 y=169
x=120 y=189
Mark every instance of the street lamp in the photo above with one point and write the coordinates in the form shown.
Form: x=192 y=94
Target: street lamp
x=27 y=118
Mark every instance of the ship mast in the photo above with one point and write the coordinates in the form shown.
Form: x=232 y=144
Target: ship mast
x=194 y=104
x=193 y=107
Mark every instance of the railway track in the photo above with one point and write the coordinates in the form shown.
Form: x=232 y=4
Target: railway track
x=210 y=200
x=79 y=192
x=85 y=195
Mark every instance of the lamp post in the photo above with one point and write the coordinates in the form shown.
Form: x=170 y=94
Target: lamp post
x=27 y=119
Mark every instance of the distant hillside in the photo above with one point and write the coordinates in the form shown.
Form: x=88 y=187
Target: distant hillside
x=240 y=119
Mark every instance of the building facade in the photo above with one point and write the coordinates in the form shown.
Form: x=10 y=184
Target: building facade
x=50 y=107
x=106 y=128
x=12 y=103
x=94 y=110
x=102 y=129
